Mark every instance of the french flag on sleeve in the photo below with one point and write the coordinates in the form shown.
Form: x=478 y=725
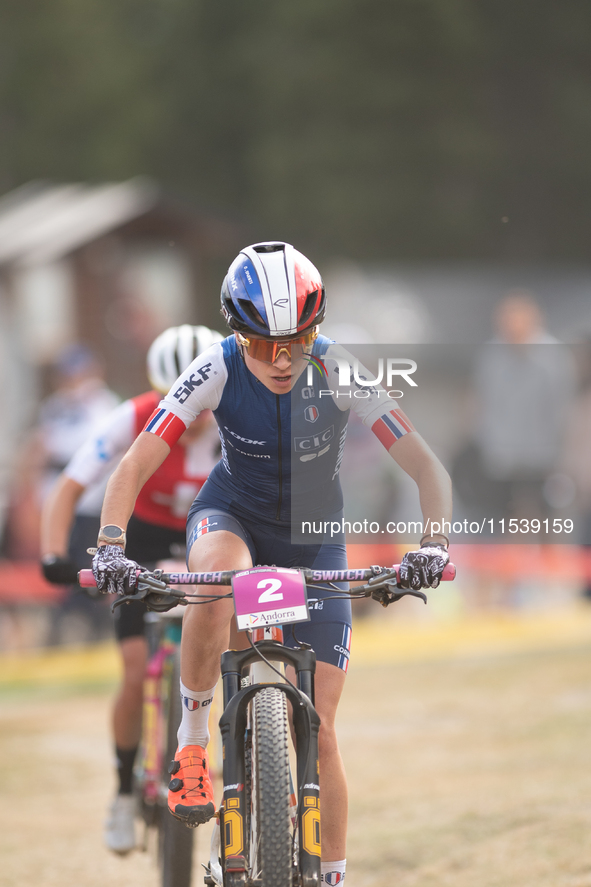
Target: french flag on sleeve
x=391 y=427
x=166 y=425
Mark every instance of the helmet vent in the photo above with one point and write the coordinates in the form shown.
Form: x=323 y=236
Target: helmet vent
x=252 y=313
x=308 y=311
x=269 y=247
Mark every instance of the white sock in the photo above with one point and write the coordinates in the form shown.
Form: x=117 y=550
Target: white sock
x=194 y=723
x=332 y=873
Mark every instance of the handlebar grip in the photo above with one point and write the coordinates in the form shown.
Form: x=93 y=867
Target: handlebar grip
x=86 y=579
x=449 y=572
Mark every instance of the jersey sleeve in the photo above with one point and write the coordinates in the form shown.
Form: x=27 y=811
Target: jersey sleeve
x=199 y=388
x=99 y=454
x=371 y=402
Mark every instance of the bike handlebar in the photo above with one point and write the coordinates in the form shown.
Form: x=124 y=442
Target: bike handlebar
x=224 y=577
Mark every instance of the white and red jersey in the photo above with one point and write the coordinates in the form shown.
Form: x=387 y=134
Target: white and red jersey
x=166 y=497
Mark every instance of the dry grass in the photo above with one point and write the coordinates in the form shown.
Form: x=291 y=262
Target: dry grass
x=462 y=772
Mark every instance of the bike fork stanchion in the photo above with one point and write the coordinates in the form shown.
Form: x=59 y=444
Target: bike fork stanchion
x=306 y=725
x=233 y=837
x=306 y=731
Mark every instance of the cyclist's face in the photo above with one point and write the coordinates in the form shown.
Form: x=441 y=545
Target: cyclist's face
x=279 y=376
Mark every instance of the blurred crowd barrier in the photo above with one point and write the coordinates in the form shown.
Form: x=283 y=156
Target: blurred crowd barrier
x=491 y=579
x=34 y=613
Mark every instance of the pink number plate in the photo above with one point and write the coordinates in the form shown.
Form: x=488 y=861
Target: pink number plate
x=269 y=596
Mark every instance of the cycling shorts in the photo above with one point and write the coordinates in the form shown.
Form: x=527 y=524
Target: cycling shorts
x=329 y=629
x=147 y=544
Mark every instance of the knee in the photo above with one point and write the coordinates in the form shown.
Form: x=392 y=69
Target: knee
x=208 y=619
x=327 y=740
x=222 y=550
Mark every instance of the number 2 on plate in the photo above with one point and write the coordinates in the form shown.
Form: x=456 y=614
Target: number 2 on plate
x=273 y=585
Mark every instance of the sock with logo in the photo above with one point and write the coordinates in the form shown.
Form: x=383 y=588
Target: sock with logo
x=194 y=724
x=332 y=873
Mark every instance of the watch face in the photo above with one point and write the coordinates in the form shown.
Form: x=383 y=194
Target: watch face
x=112 y=531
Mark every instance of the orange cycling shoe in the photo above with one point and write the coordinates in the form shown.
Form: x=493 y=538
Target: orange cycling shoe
x=190 y=792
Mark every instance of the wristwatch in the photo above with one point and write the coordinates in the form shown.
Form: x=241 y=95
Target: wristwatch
x=111 y=534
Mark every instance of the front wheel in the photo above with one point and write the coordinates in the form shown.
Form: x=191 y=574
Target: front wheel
x=270 y=850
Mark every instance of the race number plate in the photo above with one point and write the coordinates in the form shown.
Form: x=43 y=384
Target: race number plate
x=269 y=596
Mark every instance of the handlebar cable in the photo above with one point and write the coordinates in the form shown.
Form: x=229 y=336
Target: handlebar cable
x=301 y=644
x=266 y=661
x=206 y=599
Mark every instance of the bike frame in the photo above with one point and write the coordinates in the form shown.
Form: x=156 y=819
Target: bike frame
x=164 y=635
x=161 y=716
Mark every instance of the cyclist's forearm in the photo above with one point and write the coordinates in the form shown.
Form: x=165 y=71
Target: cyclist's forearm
x=141 y=461
x=58 y=515
x=435 y=497
x=434 y=483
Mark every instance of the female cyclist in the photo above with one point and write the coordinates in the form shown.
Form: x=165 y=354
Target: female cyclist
x=273 y=299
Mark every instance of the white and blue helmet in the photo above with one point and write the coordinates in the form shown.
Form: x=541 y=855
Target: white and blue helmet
x=271 y=289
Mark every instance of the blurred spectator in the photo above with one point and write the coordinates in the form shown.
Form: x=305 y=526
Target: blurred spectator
x=523 y=390
x=80 y=399
x=524 y=384
x=67 y=416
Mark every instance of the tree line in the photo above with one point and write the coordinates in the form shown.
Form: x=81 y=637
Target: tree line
x=376 y=129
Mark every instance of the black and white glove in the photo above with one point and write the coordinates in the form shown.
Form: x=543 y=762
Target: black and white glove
x=114 y=573
x=423 y=568
x=59 y=570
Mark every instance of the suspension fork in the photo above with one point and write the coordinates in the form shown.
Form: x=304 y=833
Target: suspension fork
x=233 y=727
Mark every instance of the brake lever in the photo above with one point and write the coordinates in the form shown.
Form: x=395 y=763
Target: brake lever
x=388 y=592
x=149 y=584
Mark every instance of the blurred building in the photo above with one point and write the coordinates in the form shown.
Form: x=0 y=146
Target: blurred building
x=108 y=265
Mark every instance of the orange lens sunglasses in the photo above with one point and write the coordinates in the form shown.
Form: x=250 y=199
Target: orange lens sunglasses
x=268 y=350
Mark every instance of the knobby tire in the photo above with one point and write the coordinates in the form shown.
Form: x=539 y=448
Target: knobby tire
x=271 y=842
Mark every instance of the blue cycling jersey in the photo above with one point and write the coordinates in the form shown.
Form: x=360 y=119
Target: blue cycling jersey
x=262 y=435
x=281 y=453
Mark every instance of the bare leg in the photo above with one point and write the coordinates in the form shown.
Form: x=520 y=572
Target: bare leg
x=334 y=795
x=206 y=627
x=127 y=711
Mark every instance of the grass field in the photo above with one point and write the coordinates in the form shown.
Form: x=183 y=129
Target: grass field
x=468 y=753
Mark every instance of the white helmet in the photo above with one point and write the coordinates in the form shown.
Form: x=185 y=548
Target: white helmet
x=173 y=350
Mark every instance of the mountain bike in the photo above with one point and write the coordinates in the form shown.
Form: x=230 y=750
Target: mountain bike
x=160 y=722
x=268 y=832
